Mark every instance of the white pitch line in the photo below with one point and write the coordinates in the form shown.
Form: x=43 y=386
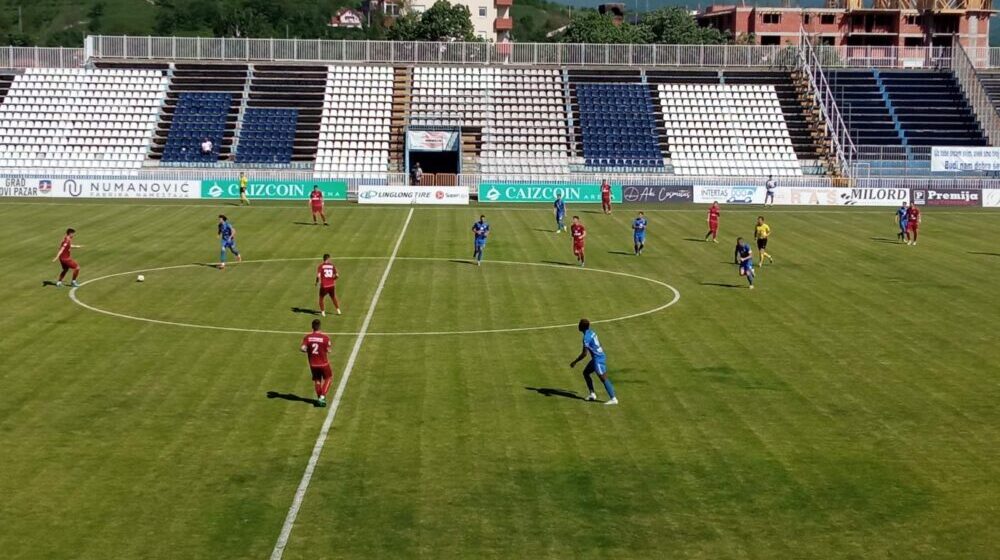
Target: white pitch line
x=300 y=493
x=675 y=299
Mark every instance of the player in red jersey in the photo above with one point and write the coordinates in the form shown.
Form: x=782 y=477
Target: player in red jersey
x=316 y=345
x=65 y=258
x=326 y=279
x=316 y=204
x=579 y=234
x=912 y=223
x=713 y=223
x=606 y=196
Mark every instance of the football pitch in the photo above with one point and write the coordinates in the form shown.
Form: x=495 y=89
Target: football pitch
x=845 y=408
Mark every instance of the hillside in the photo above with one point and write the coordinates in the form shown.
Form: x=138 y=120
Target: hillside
x=66 y=22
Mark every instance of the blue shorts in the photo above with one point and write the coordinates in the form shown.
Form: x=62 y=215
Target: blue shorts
x=480 y=242
x=599 y=367
x=229 y=244
x=746 y=266
x=902 y=225
x=639 y=237
x=560 y=217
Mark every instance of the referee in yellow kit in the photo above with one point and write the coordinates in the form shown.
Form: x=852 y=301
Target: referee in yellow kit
x=761 y=232
x=243 y=189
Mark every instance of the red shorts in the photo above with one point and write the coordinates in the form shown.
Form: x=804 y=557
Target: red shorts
x=321 y=372
x=577 y=247
x=713 y=226
x=324 y=291
x=606 y=199
x=69 y=264
x=317 y=208
x=912 y=226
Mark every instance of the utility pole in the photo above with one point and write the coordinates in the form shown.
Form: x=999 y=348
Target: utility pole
x=20 y=21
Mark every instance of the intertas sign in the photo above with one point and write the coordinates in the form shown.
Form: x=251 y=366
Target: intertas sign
x=412 y=195
x=931 y=197
x=273 y=190
x=545 y=192
x=657 y=194
x=881 y=196
x=98 y=188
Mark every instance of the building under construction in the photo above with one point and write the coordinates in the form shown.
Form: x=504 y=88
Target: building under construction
x=884 y=23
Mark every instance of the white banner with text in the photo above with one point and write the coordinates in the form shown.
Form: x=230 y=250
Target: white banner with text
x=412 y=195
x=17 y=186
x=956 y=159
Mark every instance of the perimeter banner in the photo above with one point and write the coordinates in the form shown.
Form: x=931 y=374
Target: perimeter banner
x=956 y=159
x=272 y=190
x=376 y=194
x=21 y=186
x=545 y=192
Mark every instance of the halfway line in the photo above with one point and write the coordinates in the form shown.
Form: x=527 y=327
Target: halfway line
x=300 y=492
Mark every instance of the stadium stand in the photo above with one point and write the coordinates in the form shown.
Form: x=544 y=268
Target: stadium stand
x=990 y=78
x=80 y=118
x=864 y=108
x=727 y=130
x=267 y=136
x=521 y=112
x=617 y=126
x=5 y=81
x=203 y=79
x=931 y=108
x=197 y=116
x=354 y=132
x=291 y=87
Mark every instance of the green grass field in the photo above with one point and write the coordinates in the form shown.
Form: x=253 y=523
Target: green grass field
x=846 y=408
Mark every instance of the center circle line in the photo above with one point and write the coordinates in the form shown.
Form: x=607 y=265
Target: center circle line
x=73 y=296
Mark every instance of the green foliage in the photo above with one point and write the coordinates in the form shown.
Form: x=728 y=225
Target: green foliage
x=588 y=26
x=675 y=26
x=672 y=26
x=534 y=19
x=441 y=22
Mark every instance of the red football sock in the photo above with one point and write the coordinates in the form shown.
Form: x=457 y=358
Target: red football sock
x=321 y=306
x=76 y=272
x=326 y=385
x=318 y=385
x=336 y=302
x=63 y=274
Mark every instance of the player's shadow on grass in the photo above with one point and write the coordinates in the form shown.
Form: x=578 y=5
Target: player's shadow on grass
x=305 y=223
x=560 y=263
x=461 y=261
x=48 y=283
x=305 y=311
x=206 y=265
x=886 y=240
x=695 y=239
x=550 y=392
x=721 y=285
x=544 y=230
x=289 y=397
x=621 y=253
x=982 y=253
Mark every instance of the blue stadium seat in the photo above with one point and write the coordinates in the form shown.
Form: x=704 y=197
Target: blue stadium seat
x=197 y=116
x=616 y=121
x=267 y=136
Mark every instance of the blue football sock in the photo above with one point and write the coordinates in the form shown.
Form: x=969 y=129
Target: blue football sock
x=222 y=255
x=609 y=388
x=590 y=382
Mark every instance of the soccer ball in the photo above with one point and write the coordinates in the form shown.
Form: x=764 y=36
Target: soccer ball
x=140 y=278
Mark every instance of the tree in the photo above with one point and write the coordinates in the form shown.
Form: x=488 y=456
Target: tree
x=441 y=22
x=588 y=26
x=675 y=26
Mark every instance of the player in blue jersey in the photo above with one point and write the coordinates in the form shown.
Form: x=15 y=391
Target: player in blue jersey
x=598 y=363
x=481 y=231
x=744 y=258
x=227 y=239
x=639 y=233
x=902 y=219
x=560 y=209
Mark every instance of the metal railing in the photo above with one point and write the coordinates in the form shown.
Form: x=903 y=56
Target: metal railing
x=835 y=130
x=41 y=57
x=884 y=57
x=400 y=52
x=983 y=107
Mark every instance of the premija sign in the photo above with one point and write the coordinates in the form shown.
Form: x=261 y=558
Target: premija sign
x=545 y=192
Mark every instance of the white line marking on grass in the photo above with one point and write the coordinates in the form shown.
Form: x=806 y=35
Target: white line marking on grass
x=300 y=493
x=677 y=296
